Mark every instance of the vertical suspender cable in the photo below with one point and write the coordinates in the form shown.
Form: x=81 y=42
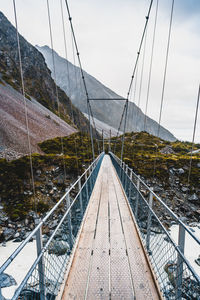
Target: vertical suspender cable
x=83 y=78
x=25 y=106
x=151 y=63
x=164 y=80
x=56 y=88
x=66 y=56
x=141 y=78
x=133 y=74
x=193 y=137
x=166 y=65
x=134 y=96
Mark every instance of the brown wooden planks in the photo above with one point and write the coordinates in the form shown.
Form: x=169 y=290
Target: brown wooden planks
x=109 y=262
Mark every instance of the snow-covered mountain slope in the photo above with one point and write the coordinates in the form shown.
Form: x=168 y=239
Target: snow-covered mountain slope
x=68 y=77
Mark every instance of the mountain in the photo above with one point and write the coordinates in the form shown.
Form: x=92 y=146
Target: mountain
x=43 y=124
x=37 y=77
x=68 y=77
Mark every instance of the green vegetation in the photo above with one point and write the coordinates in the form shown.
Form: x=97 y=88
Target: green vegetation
x=142 y=151
x=76 y=144
x=15 y=178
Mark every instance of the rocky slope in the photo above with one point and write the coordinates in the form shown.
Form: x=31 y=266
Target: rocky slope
x=43 y=124
x=68 y=78
x=169 y=178
x=37 y=77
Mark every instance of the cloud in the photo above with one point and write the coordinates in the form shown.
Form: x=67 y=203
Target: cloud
x=108 y=34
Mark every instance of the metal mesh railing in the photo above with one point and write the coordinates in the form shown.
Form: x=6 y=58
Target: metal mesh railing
x=54 y=238
x=174 y=273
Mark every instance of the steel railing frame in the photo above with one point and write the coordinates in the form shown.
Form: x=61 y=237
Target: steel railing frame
x=86 y=176
x=125 y=174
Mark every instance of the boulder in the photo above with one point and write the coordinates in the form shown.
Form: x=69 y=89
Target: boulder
x=58 y=248
x=193 y=198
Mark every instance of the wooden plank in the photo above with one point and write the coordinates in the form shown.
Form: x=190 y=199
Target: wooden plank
x=98 y=287
x=142 y=277
x=78 y=276
x=120 y=277
x=109 y=262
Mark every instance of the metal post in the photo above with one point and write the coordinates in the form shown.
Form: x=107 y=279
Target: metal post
x=179 y=270
x=86 y=186
x=41 y=269
x=126 y=110
x=137 y=197
x=103 y=140
x=109 y=142
x=91 y=135
x=149 y=220
x=126 y=175
x=122 y=172
x=80 y=195
x=129 y=193
x=69 y=224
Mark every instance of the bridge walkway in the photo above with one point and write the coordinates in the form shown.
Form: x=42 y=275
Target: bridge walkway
x=109 y=262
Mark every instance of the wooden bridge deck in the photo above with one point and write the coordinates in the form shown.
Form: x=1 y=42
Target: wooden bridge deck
x=109 y=262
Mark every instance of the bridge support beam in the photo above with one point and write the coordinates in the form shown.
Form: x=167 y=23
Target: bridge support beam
x=81 y=198
x=179 y=270
x=137 y=197
x=41 y=269
x=86 y=186
x=129 y=191
x=149 y=221
x=69 y=224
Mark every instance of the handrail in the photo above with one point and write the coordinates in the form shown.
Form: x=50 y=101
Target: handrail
x=181 y=279
x=22 y=245
x=161 y=201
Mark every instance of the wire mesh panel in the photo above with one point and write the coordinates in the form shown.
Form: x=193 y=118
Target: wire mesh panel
x=55 y=237
x=175 y=275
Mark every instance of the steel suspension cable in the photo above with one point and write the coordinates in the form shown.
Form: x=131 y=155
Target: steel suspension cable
x=119 y=127
x=164 y=79
x=141 y=78
x=166 y=65
x=25 y=106
x=193 y=138
x=134 y=94
x=66 y=56
x=56 y=87
x=133 y=74
x=82 y=75
x=151 y=63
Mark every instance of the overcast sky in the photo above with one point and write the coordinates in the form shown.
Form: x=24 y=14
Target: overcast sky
x=108 y=34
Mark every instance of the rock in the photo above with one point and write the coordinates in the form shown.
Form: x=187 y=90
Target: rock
x=49 y=185
x=8 y=234
x=38 y=172
x=58 y=248
x=6 y=280
x=167 y=150
x=193 y=198
x=198 y=165
x=16 y=235
x=180 y=171
x=157 y=189
x=197 y=261
x=184 y=189
x=53 y=224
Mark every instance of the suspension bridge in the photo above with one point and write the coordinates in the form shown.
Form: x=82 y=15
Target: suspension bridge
x=114 y=245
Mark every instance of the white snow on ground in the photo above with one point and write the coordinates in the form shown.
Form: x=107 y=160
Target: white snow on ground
x=20 y=266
